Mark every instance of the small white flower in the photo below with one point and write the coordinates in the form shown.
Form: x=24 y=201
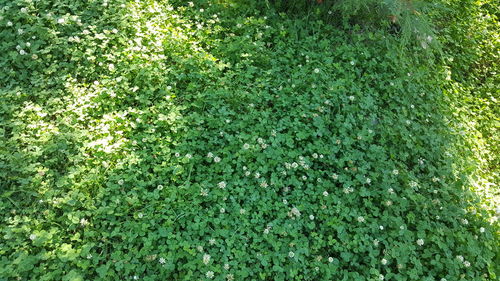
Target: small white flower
x=162 y=261
x=383 y=261
x=120 y=182
x=311 y=217
x=206 y=258
x=295 y=212
x=352 y=62
x=466 y=263
x=291 y=254
x=264 y=184
x=420 y=242
x=135 y=277
x=351 y=98
x=335 y=176
x=361 y=219
x=159 y=187
x=230 y=277
x=266 y=231
x=210 y=155
x=210 y=274
x=257 y=175
x=32 y=237
x=381 y=277
x=191 y=4
x=189 y=156
x=325 y=193
x=390 y=190
x=217 y=159
x=177 y=154
x=89 y=256
x=222 y=210
x=330 y=259
x=368 y=180
x=242 y=211
x=140 y=215
x=60 y=21
x=316 y=70
x=381 y=227
x=395 y=172
x=22 y=52
x=375 y=242
x=24 y=10
x=465 y=221
x=435 y=179
x=28 y=44
x=315 y=155
x=304 y=178
x=222 y=184
x=204 y=192
x=460 y=258
x=246 y=146
x=9 y=23
x=84 y=222
x=482 y=230
x=402 y=227
x=247 y=173
x=226 y=266
x=211 y=241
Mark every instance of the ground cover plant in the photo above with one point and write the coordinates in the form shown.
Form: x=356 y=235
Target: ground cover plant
x=224 y=140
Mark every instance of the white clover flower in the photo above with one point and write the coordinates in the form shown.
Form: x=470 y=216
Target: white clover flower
x=247 y=173
x=315 y=155
x=20 y=31
x=443 y=279
x=89 y=256
x=22 y=52
x=9 y=23
x=330 y=259
x=211 y=241
x=295 y=212
x=381 y=227
x=246 y=146
x=206 y=258
x=381 y=277
x=210 y=155
x=390 y=190
x=435 y=179
x=285 y=201
x=420 y=242
x=335 y=176
x=162 y=261
x=28 y=44
x=316 y=70
x=388 y=203
x=465 y=221
x=140 y=215
x=325 y=193
x=466 y=263
x=189 y=156
x=383 y=261
x=222 y=210
x=177 y=154
x=304 y=178
x=111 y=67
x=351 y=98
x=460 y=258
x=242 y=211
x=60 y=21
x=291 y=254
x=402 y=227
x=482 y=230
x=375 y=242
x=191 y=4
x=32 y=237
x=361 y=219
x=120 y=182
x=135 y=277
x=210 y=274
x=264 y=184
x=295 y=165
x=217 y=159
x=204 y=192
x=222 y=184
x=159 y=187
x=84 y=222
x=199 y=248
x=24 y=10
x=395 y=172
x=352 y=62
x=230 y=277
x=311 y=217
x=257 y=175
x=226 y=266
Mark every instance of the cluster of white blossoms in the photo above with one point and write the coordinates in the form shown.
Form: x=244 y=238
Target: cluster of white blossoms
x=32 y=237
x=246 y=146
x=361 y=219
x=222 y=184
x=348 y=190
x=206 y=258
x=162 y=261
x=420 y=242
x=294 y=212
x=204 y=192
x=210 y=274
x=383 y=261
x=395 y=172
x=84 y=222
x=291 y=254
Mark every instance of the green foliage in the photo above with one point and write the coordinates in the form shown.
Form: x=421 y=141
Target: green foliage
x=168 y=140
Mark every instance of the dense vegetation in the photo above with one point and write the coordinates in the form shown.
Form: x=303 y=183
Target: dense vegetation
x=233 y=140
